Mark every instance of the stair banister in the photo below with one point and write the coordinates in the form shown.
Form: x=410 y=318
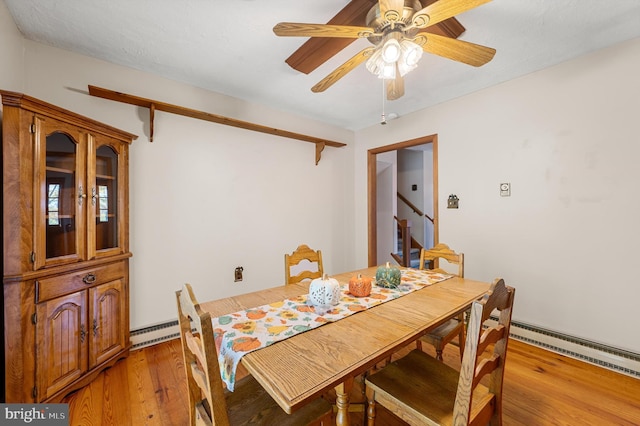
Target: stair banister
x=414 y=208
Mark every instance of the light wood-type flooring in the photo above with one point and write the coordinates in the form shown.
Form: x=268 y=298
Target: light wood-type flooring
x=541 y=388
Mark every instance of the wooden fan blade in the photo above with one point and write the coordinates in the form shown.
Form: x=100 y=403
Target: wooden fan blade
x=342 y=70
x=293 y=29
x=391 y=10
x=317 y=50
x=443 y=9
x=395 y=87
x=458 y=50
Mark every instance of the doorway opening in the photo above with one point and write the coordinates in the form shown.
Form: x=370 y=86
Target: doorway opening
x=373 y=194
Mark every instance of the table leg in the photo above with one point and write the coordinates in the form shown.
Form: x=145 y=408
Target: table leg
x=342 y=402
x=371 y=407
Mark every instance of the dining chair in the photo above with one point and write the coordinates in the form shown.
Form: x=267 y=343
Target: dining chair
x=291 y=261
x=444 y=334
x=422 y=390
x=303 y=256
x=209 y=402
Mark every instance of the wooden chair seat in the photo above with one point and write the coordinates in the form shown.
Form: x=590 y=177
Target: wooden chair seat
x=427 y=398
x=422 y=390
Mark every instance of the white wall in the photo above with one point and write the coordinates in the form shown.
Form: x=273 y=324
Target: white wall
x=386 y=206
x=11 y=52
x=568 y=140
x=206 y=198
x=428 y=195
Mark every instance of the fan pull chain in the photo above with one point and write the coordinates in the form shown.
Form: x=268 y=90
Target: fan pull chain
x=383 y=120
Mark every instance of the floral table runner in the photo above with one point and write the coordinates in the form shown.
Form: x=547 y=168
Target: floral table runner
x=245 y=331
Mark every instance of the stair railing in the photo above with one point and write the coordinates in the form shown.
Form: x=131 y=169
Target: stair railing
x=404 y=228
x=414 y=208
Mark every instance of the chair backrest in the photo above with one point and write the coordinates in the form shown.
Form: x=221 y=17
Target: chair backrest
x=477 y=361
x=206 y=391
x=302 y=253
x=442 y=251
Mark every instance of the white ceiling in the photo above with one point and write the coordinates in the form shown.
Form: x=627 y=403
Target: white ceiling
x=229 y=47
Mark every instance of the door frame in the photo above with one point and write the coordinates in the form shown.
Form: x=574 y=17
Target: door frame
x=372 y=188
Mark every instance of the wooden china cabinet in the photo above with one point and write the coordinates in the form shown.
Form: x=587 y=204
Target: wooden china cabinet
x=66 y=248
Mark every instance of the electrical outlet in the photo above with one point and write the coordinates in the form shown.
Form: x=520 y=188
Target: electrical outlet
x=238 y=273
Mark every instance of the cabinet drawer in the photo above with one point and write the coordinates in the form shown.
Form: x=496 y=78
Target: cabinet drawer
x=49 y=288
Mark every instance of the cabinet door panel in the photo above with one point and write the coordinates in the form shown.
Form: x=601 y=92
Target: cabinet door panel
x=106 y=211
x=60 y=193
x=107 y=316
x=61 y=344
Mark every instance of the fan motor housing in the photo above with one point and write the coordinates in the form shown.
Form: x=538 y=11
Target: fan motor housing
x=381 y=25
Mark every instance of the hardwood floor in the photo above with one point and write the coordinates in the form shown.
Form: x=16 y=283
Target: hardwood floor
x=147 y=388
x=541 y=388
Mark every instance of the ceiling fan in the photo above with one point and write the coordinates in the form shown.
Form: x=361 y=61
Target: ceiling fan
x=398 y=31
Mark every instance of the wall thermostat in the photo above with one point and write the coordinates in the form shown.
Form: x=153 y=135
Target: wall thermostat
x=505 y=189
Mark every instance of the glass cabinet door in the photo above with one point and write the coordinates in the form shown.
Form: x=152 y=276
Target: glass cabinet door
x=105 y=210
x=60 y=195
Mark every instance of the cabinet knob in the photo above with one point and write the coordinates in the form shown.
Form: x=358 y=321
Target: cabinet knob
x=90 y=278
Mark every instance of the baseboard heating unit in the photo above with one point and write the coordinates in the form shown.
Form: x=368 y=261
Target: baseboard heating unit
x=608 y=357
x=154 y=334
x=615 y=359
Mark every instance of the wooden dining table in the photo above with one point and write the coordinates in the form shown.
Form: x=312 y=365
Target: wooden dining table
x=305 y=366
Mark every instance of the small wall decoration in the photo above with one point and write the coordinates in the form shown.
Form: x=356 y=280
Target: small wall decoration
x=452 y=202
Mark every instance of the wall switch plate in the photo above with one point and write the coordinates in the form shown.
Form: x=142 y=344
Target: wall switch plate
x=505 y=189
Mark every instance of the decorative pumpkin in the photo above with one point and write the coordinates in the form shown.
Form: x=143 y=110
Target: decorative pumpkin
x=324 y=291
x=388 y=276
x=360 y=286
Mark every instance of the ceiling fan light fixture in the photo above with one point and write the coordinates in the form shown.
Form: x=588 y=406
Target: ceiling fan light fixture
x=388 y=71
x=377 y=66
x=411 y=54
x=391 y=51
x=394 y=56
